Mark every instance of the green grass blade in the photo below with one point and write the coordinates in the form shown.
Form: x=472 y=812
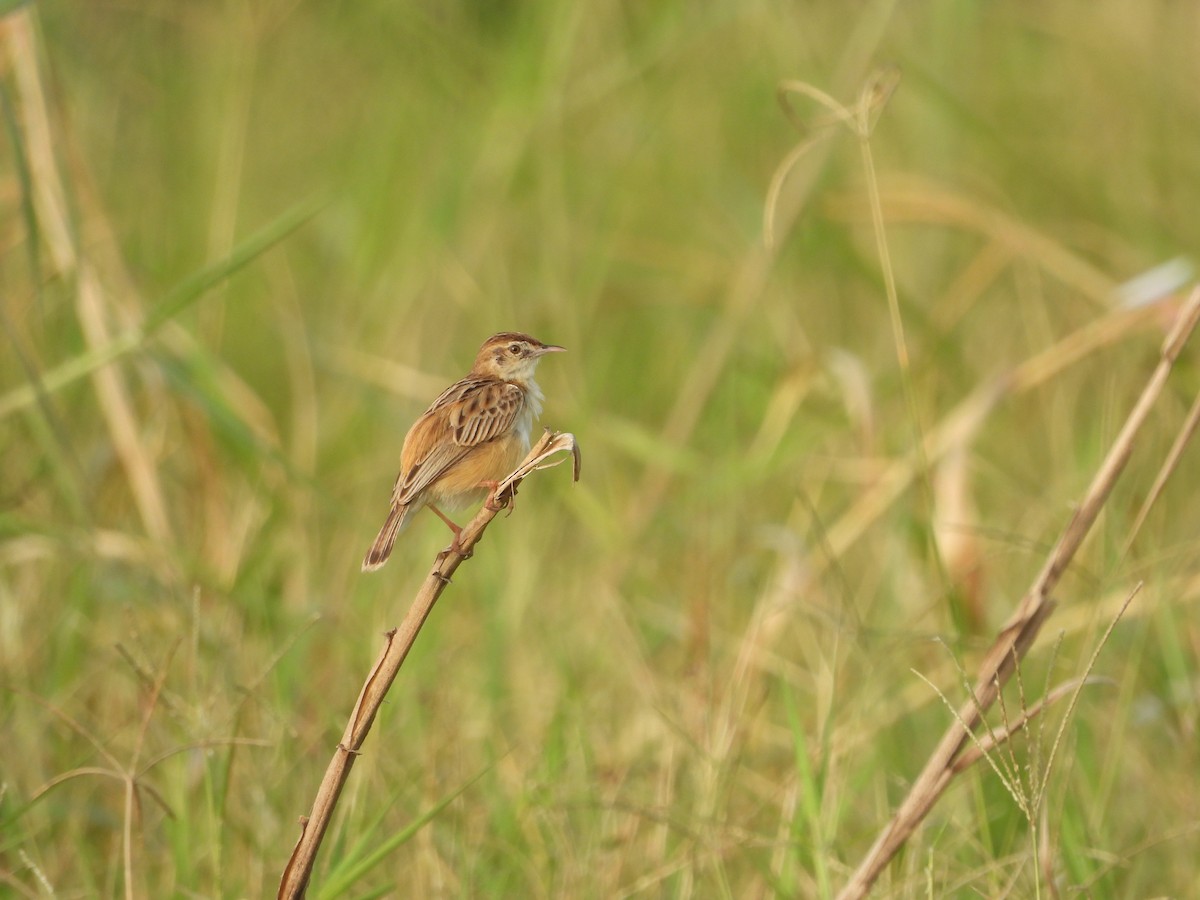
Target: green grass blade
x=175 y=302
x=196 y=285
x=350 y=870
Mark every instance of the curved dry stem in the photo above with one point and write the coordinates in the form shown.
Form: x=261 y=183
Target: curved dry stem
x=546 y=453
x=860 y=119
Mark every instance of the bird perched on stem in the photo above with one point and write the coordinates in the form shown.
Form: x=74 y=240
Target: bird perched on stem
x=473 y=435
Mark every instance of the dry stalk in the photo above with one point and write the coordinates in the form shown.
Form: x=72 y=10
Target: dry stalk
x=398 y=642
x=995 y=737
x=1018 y=634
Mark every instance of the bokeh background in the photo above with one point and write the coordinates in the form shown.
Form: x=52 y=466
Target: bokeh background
x=243 y=244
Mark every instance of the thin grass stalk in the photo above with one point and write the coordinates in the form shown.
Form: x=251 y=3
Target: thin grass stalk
x=749 y=280
x=1174 y=455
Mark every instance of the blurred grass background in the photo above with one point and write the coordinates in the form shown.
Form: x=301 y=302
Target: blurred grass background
x=691 y=675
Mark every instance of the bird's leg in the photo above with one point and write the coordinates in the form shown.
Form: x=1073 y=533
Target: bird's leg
x=454 y=544
x=493 y=502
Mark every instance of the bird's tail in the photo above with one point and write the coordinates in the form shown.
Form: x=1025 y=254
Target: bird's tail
x=381 y=548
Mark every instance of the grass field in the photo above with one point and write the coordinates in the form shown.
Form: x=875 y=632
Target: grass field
x=242 y=245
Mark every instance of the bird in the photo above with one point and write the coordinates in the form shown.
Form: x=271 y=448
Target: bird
x=469 y=438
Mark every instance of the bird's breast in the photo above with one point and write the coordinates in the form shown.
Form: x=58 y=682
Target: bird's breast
x=530 y=410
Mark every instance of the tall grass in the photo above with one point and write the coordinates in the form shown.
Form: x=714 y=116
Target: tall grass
x=700 y=672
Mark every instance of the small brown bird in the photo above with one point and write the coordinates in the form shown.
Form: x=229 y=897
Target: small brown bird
x=474 y=434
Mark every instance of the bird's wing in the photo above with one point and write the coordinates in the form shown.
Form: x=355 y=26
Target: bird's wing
x=484 y=412
x=468 y=413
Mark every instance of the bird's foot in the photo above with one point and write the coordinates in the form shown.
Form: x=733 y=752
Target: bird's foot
x=493 y=502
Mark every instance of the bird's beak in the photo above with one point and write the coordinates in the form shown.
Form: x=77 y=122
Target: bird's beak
x=551 y=348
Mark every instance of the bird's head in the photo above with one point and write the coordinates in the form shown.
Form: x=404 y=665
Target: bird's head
x=511 y=356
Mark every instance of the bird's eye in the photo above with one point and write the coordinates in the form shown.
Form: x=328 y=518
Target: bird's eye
x=514 y=349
